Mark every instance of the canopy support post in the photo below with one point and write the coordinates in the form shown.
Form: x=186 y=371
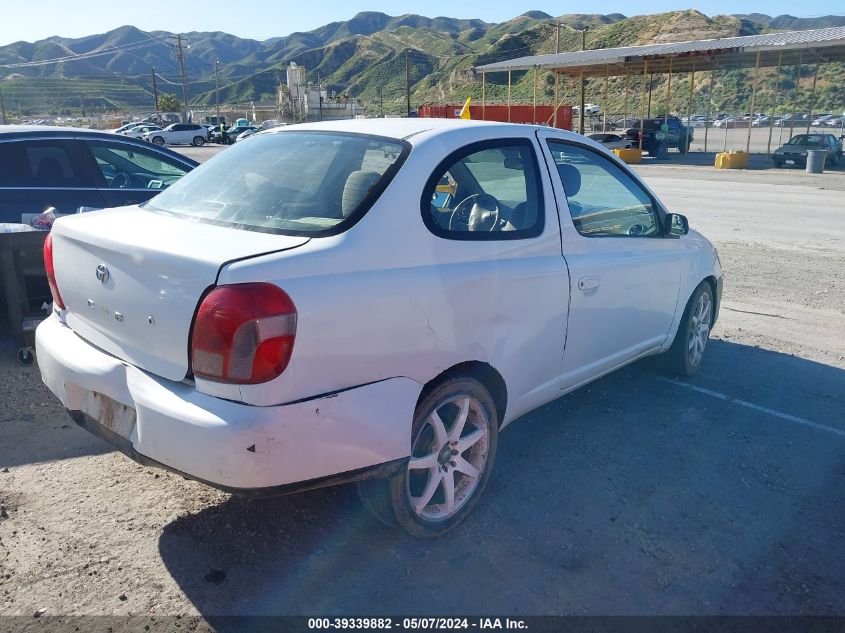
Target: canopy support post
x=509 y=96
x=604 y=105
x=483 y=94
x=642 y=102
x=625 y=101
x=668 y=95
x=709 y=107
x=691 y=90
x=534 y=111
x=795 y=93
x=813 y=91
x=753 y=102
x=774 y=107
x=557 y=101
x=581 y=109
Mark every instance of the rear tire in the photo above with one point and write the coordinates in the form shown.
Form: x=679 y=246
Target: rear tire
x=198 y=141
x=687 y=351
x=453 y=445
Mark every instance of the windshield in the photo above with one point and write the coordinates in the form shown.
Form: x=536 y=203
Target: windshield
x=805 y=139
x=299 y=183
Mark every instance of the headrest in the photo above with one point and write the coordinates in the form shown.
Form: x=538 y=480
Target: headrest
x=571 y=179
x=358 y=185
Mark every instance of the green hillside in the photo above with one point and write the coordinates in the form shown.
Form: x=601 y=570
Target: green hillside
x=364 y=57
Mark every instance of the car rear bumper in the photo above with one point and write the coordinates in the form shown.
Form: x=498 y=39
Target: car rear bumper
x=354 y=433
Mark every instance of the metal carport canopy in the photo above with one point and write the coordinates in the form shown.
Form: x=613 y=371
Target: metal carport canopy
x=824 y=45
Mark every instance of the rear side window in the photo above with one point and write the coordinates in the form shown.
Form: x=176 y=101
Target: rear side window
x=38 y=164
x=296 y=183
x=486 y=191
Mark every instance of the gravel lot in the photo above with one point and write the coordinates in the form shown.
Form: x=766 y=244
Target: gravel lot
x=634 y=495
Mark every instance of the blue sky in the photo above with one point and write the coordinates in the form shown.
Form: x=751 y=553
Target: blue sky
x=272 y=18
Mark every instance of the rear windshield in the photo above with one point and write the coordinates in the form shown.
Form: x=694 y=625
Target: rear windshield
x=297 y=183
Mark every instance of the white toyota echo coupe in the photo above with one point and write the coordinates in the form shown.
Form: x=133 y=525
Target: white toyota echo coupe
x=367 y=300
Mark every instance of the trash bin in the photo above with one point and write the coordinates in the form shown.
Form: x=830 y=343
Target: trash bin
x=24 y=293
x=815 y=161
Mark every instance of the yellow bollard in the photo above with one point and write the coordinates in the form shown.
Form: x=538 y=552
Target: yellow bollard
x=630 y=156
x=732 y=160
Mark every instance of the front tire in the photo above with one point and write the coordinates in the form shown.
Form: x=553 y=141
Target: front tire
x=453 y=445
x=198 y=141
x=158 y=140
x=687 y=351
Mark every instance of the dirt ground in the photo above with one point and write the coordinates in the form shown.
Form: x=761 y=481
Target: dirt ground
x=718 y=495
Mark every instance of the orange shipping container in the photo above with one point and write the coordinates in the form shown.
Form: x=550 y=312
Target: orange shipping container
x=541 y=115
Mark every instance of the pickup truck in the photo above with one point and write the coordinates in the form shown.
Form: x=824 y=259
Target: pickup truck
x=677 y=135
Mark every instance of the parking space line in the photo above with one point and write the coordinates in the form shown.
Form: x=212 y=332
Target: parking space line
x=754 y=407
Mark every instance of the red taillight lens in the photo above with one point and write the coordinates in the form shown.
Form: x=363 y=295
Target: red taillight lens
x=51 y=272
x=243 y=333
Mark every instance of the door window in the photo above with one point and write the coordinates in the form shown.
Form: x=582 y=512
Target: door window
x=603 y=200
x=488 y=190
x=128 y=167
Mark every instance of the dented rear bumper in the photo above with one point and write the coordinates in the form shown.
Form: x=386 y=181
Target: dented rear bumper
x=354 y=433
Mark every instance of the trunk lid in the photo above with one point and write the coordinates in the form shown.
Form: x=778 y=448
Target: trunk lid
x=131 y=279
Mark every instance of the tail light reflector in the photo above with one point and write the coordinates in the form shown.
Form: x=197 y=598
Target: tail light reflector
x=51 y=272
x=243 y=333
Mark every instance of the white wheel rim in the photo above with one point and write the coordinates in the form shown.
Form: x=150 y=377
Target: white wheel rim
x=699 y=329
x=448 y=458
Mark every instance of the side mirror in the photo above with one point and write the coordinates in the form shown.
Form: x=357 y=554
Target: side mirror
x=676 y=224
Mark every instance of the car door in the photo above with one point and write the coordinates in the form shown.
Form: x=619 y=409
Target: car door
x=129 y=173
x=39 y=173
x=624 y=274
x=501 y=281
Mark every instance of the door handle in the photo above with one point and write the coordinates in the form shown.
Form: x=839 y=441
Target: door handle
x=589 y=283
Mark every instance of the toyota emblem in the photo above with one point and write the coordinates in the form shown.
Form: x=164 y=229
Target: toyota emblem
x=103 y=274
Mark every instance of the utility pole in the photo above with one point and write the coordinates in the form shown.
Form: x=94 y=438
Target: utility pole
x=155 y=88
x=2 y=110
x=181 y=55
x=381 y=102
x=581 y=108
x=217 y=90
x=408 y=79
x=557 y=46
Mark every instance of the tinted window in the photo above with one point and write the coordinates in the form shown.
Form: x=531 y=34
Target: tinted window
x=38 y=164
x=603 y=199
x=488 y=190
x=128 y=167
x=304 y=183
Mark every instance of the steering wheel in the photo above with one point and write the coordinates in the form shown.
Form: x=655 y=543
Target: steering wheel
x=121 y=180
x=478 y=212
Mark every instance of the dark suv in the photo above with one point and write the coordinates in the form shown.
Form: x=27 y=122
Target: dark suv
x=68 y=168
x=677 y=134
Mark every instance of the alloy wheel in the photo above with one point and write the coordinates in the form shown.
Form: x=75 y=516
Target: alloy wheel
x=699 y=328
x=448 y=457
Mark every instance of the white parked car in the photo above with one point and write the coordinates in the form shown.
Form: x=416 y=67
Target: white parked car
x=612 y=141
x=141 y=130
x=179 y=134
x=589 y=108
x=379 y=316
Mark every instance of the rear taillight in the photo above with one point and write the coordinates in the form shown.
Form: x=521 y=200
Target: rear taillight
x=51 y=272
x=243 y=333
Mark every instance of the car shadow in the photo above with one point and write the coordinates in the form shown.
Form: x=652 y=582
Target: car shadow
x=632 y=495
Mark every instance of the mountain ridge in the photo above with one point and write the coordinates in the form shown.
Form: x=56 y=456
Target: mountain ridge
x=362 y=57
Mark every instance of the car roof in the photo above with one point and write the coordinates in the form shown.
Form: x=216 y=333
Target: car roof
x=12 y=132
x=408 y=128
